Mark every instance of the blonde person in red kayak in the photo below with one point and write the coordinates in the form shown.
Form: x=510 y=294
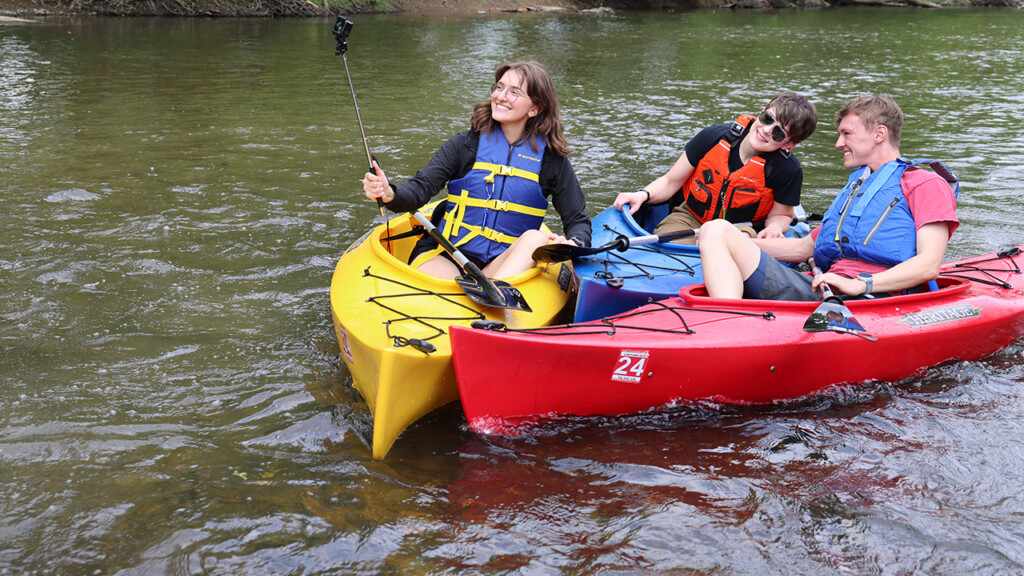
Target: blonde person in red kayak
x=886 y=231
x=743 y=172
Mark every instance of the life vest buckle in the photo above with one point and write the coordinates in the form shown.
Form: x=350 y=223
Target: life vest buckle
x=496 y=236
x=499 y=170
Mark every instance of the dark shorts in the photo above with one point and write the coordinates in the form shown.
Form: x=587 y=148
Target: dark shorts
x=773 y=281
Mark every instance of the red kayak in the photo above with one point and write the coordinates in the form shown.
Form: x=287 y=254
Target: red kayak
x=693 y=347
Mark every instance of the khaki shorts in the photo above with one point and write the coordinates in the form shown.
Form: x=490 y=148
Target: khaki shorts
x=682 y=219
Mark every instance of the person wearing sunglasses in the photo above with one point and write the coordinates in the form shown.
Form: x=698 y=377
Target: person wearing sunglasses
x=500 y=175
x=742 y=171
x=885 y=232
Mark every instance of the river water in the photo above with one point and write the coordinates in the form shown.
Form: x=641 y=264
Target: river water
x=174 y=194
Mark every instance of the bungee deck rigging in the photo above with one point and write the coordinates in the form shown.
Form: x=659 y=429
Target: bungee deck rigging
x=449 y=297
x=612 y=325
x=1007 y=253
x=640 y=258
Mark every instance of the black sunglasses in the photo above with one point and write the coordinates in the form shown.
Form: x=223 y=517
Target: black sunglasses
x=767 y=118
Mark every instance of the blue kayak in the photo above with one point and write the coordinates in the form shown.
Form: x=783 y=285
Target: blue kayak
x=616 y=281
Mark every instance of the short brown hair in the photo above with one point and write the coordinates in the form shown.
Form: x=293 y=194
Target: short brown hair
x=873 y=111
x=796 y=113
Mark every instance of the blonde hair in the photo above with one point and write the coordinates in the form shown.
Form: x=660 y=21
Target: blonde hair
x=874 y=111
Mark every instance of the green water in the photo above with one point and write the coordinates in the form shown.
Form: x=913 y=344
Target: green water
x=174 y=195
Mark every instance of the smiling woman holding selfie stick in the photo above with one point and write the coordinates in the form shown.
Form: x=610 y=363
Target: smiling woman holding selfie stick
x=392 y=320
x=500 y=175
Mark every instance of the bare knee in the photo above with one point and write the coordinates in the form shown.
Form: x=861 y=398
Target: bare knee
x=533 y=238
x=715 y=233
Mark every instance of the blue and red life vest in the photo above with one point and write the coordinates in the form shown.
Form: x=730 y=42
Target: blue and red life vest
x=870 y=220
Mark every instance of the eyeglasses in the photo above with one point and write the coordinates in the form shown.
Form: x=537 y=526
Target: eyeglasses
x=511 y=92
x=767 y=118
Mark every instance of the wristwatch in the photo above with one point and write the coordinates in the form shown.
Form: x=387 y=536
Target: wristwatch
x=868 y=281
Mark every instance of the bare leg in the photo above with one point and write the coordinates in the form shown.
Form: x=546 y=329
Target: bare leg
x=728 y=257
x=441 y=267
x=518 y=257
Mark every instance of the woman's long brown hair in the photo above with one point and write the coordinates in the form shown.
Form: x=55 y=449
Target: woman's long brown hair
x=546 y=124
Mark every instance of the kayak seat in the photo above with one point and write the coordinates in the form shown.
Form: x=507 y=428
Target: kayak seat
x=648 y=216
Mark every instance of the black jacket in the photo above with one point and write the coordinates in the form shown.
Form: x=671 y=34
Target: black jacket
x=455 y=159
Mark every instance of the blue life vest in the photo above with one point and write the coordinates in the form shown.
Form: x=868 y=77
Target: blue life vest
x=498 y=199
x=870 y=219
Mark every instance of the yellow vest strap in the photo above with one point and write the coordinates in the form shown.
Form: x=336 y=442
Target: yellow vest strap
x=498 y=236
x=422 y=258
x=501 y=170
x=453 y=219
x=488 y=233
x=464 y=200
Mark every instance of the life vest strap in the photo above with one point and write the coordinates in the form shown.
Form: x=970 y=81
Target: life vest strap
x=423 y=257
x=454 y=220
x=463 y=200
x=454 y=217
x=496 y=236
x=502 y=170
x=489 y=233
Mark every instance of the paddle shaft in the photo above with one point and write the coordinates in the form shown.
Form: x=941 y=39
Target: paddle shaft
x=667 y=236
x=491 y=295
x=341 y=30
x=471 y=269
x=824 y=289
x=563 y=252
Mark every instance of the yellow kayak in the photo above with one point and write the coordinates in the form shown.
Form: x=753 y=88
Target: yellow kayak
x=392 y=324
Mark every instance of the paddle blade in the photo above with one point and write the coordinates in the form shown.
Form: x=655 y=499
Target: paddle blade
x=508 y=296
x=554 y=253
x=514 y=299
x=832 y=316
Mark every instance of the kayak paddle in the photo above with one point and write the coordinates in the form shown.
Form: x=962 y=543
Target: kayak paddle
x=479 y=288
x=832 y=315
x=563 y=252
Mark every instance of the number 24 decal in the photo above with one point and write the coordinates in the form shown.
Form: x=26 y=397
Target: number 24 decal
x=630 y=366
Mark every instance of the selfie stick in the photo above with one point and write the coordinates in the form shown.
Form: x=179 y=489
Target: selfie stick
x=342 y=28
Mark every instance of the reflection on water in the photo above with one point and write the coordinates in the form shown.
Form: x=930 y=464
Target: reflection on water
x=175 y=194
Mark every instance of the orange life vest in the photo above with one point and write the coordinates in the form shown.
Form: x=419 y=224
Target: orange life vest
x=741 y=196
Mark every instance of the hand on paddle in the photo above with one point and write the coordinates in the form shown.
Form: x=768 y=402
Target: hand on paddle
x=556 y=239
x=840 y=284
x=376 y=185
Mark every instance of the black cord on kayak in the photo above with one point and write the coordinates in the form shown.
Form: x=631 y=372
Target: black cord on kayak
x=415 y=231
x=421 y=345
x=492 y=325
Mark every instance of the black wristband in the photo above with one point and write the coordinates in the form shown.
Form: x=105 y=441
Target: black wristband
x=645 y=191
